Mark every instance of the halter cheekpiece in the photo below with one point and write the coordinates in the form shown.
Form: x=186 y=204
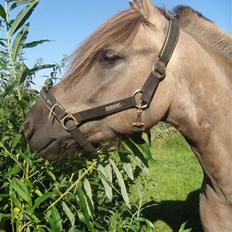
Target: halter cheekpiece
x=72 y=121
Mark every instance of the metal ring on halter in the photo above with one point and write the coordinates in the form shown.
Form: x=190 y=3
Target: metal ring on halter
x=69 y=117
x=51 y=110
x=140 y=106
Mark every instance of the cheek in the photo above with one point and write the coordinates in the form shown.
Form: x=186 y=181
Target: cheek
x=122 y=122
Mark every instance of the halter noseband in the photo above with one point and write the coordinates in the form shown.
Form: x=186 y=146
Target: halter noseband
x=71 y=122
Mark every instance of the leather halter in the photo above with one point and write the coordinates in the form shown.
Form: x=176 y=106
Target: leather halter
x=72 y=121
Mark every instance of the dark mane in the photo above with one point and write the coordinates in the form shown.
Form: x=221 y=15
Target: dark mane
x=120 y=29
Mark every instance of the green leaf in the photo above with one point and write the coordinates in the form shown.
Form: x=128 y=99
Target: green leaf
x=23 y=16
x=144 y=149
x=88 y=191
x=69 y=213
x=121 y=183
x=16 y=140
x=132 y=148
x=40 y=67
x=35 y=43
x=106 y=181
x=126 y=161
x=149 y=223
x=22 y=73
x=14 y=199
x=51 y=174
x=84 y=208
x=38 y=201
x=2 y=12
x=129 y=170
x=13 y=171
x=19 y=2
x=2 y=44
x=19 y=41
x=39 y=229
x=54 y=219
x=182 y=228
x=21 y=189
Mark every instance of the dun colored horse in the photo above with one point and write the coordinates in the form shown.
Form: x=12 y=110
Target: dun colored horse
x=195 y=96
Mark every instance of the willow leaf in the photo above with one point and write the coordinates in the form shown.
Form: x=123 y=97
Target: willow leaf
x=121 y=183
x=22 y=73
x=88 y=191
x=35 y=43
x=69 y=213
x=19 y=41
x=23 y=16
x=2 y=12
x=54 y=219
x=21 y=189
x=19 y=2
x=40 y=67
x=84 y=208
x=106 y=181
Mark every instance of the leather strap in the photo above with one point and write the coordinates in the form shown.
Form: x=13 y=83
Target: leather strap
x=105 y=110
x=159 y=70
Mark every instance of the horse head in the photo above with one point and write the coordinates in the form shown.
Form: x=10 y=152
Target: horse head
x=111 y=65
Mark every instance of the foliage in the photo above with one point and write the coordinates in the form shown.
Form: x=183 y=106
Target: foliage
x=35 y=195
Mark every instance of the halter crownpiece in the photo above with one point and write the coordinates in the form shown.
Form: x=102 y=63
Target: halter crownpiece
x=72 y=121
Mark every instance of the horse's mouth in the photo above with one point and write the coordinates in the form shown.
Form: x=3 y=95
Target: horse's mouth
x=68 y=148
x=58 y=150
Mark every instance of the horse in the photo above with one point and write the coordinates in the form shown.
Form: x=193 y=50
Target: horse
x=192 y=91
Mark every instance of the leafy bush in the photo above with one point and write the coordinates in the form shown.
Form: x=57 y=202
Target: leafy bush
x=36 y=195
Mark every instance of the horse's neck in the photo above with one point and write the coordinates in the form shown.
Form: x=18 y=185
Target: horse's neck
x=201 y=107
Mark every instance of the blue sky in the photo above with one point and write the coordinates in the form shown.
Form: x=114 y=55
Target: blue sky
x=69 y=22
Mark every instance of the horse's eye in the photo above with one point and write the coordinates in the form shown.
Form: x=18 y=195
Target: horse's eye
x=109 y=57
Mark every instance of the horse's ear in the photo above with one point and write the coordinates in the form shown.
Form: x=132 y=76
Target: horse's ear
x=148 y=11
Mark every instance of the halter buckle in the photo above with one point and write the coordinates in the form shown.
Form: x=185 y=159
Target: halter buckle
x=67 y=118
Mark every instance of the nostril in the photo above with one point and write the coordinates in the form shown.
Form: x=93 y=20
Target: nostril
x=28 y=128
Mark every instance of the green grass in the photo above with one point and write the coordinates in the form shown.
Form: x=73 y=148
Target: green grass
x=173 y=182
